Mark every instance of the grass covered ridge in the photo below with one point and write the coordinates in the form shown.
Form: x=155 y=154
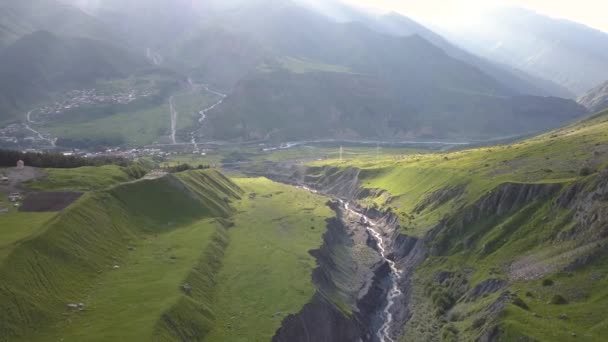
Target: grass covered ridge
x=86 y=178
x=191 y=256
x=80 y=246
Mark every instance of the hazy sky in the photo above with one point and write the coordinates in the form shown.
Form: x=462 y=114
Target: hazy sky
x=589 y=12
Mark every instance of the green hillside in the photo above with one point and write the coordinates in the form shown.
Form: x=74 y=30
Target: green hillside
x=40 y=64
x=187 y=256
x=310 y=101
x=515 y=235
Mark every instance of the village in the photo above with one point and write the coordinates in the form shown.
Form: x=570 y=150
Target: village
x=20 y=135
x=75 y=99
x=8 y=185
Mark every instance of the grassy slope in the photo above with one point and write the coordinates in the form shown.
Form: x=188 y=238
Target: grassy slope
x=19 y=227
x=267 y=268
x=493 y=244
x=188 y=105
x=139 y=123
x=162 y=234
x=133 y=126
x=137 y=128
x=75 y=251
x=80 y=179
x=28 y=224
x=125 y=304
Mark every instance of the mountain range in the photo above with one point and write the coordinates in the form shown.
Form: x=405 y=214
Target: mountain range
x=567 y=53
x=290 y=71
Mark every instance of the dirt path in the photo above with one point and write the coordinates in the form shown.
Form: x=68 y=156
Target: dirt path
x=204 y=112
x=17 y=177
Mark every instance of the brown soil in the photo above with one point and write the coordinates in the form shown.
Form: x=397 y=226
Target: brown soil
x=48 y=201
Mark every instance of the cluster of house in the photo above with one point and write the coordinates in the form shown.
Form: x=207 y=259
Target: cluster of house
x=15 y=197
x=79 y=98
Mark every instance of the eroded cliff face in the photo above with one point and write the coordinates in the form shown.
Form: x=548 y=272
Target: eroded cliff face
x=503 y=201
x=353 y=279
x=341 y=281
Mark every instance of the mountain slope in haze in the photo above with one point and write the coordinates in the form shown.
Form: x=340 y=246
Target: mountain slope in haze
x=415 y=87
x=148 y=24
x=399 y=25
x=412 y=88
x=567 y=53
x=41 y=62
x=596 y=99
x=282 y=106
x=516 y=80
x=18 y=18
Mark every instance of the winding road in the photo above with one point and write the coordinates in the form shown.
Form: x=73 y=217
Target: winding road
x=203 y=112
x=37 y=133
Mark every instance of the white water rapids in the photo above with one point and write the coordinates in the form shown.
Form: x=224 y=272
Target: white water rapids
x=383 y=333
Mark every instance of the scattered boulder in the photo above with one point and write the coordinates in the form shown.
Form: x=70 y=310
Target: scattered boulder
x=558 y=300
x=187 y=288
x=548 y=282
x=519 y=303
x=74 y=306
x=563 y=317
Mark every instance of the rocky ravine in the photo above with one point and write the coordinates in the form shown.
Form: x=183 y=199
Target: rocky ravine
x=363 y=272
x=353 y=280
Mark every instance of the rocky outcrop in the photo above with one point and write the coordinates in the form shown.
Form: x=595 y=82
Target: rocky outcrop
x=319 y=320
x=595 y=99
x=341 y=309
x=440 y=197
x=506 y=199
x=484 y=288
x=588 y=203
x=340 y=183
